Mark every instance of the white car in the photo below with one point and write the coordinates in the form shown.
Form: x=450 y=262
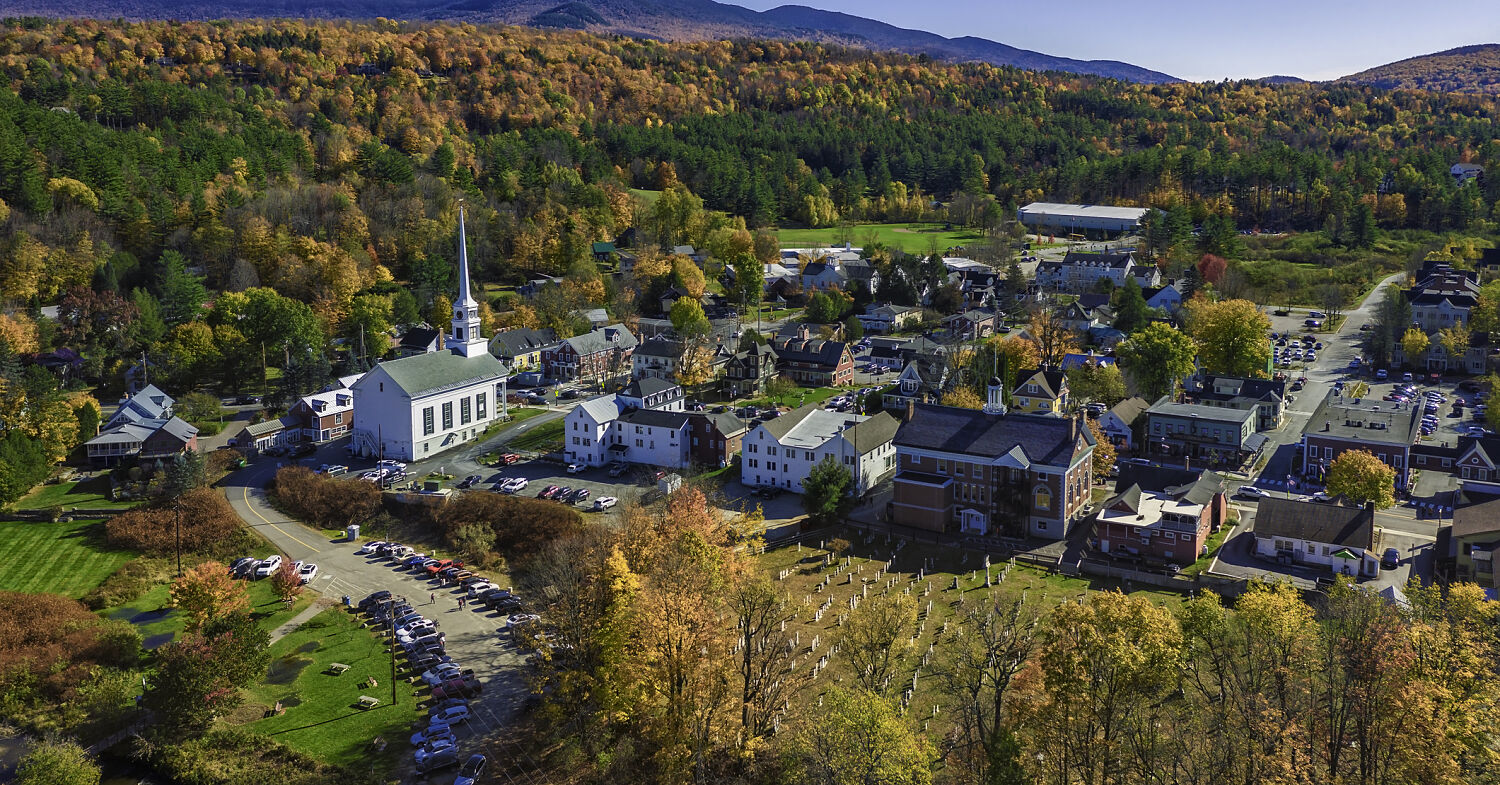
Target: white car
x=1252 y=492
x=576 y=468
x=307 y=572
x=389 y=465
x=415 y=631
x=441 y=673
x=520 y=618
x=268 y=567
x=476 y=589
x=605 y=502
x=518 y=484
x=451 y=715
x=435 y=730
x=370 y=547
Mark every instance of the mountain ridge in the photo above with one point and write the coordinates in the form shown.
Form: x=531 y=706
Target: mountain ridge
x=1472 y=69
x=663 y=19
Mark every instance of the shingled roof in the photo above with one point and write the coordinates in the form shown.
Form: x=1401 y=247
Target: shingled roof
x=1334 y=524
x=1053 y=441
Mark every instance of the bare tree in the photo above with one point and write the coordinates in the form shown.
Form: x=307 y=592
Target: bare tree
x=765 y=655
x=874 y=635
x=996 y=637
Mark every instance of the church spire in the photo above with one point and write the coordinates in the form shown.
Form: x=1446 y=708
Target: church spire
x=466 y=338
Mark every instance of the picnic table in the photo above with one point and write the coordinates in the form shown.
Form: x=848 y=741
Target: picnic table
x=337 y=668
x=368 y=702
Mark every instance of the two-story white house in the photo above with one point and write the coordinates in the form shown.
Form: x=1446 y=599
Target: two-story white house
x=889 y=318
x=780 y=453
x=601 y=430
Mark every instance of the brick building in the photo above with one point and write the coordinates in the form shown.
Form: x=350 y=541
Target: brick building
x=1161 y=514
x=1386 y=429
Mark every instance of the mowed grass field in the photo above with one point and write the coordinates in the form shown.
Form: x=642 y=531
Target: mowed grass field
x=93 y=492
x=59 y=558
x=321 y=717
x=914 y=238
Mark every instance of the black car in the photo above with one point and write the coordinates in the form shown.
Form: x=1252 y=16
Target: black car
x=303 y=448
x=470 y=481
x=1391 y=559
x=568 y=395
x=374 y=599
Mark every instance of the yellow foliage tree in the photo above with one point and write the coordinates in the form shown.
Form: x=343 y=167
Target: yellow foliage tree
x=18 y=332
x=963 y=398
x=1414 y=344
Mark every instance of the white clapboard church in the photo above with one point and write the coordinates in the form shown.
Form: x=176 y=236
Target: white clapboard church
x=416 y=407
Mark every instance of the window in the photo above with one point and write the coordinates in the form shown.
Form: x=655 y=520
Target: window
x=754 y=464
x=480 y=409
x=771 y=466
x=427 y=421
x=465 y=411
x=448 y=415
x=1042 y=497
x=338 y=419
x=958 y=469
x=942 y=467
x=771 y=450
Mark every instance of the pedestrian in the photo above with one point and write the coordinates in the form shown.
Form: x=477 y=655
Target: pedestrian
x=432 y=598
x=460 y=603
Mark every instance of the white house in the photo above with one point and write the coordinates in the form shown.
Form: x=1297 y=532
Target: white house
x=1118 y=423
x=630 y=426
x=1333 y=537
x=780 y=453
x=415 y=407
x=889 y=318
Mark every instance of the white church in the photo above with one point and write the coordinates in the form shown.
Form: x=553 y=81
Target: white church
x=416 y=407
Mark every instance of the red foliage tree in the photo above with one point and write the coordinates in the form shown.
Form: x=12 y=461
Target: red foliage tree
x=1212 y=268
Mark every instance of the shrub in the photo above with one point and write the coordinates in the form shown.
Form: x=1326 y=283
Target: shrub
x=516 y=526
x=50 y=644
x=326 y=502
x=132 y=580
x=208 y=526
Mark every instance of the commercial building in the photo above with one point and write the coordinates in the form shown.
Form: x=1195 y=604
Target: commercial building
x=1161 y=514
x=1384 y=428
x=1093 y=219
x=1335 y=537
x=1212 y=435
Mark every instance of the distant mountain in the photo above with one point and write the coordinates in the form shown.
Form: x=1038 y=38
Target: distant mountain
x=666 y=19
x=1280 y=79
x=1467 y=69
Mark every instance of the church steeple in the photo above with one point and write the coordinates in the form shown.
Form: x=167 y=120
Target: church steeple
x=465 y=338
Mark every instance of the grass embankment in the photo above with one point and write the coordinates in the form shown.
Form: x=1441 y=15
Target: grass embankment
x=547 y=437
x=914 y=238
x=322 y=717
x=78 y=494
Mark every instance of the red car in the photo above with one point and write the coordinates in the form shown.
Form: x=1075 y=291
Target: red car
x=434 y=569
x=548 y=492
x=509 y=458
x=466 y=687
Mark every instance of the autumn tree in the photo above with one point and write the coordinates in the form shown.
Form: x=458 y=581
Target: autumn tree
x=1231 y=336
x=1455 y=341
x=1052 y=337
x=1157 y=358
x=1361 y=477
x=1100 y=382
x=873 y=636
x=1212 y=268
x=1104 y=449
x=856 y=738
x=287 y=582
x=963 y=398
x=765 y=658
x=1414 y=344
x=207 y=592
x=57 y=763
x=979 y=666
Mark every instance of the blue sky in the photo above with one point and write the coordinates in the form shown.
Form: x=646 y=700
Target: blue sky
x=1203 y=40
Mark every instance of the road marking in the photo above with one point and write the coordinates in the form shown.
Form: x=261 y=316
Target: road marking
x=246 y=491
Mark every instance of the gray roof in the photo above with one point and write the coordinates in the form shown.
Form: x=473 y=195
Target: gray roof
x=1051 y=382
x=1476 y=514
x=265 y=428
x=1333 y=524
x=659 y=347
x=1377 y=422
x=520 y=340
x=655 y=418
x=1041 y=438
x=1193 y=486
x=815 y=351
x=727 y=423
x=428 y=373
x=179 y=428
x=872 y=433
x=1198 y=411
x=1130 y=408
x=598 y=340
x=1107 y=258
x=649 y=386
x=421 y=338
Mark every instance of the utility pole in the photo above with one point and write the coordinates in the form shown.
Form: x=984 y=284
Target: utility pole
x=177 y=527
x=391 y=625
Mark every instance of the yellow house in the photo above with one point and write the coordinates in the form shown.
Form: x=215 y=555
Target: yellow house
x=1042 y=391
x=521 y=347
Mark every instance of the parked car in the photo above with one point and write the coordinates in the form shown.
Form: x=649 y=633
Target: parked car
x=472 y=769
x=605 y=502
x=576 y=468
x=1317 y=314
x=1381 y=375
x=442 y=564
x=374 y=599
x=1252 y=492
x=307 y=572
x=268 y=567
x=580 y=495
x=466 y=687
x=1391 y=559
x=369 y=548
x=435 y=730
x=445 y=672
x=470 y=481
x=479 y=587
x=562 y=493
x=617 y=469
x=509 y=458
x=441 y=759
x=548 y=492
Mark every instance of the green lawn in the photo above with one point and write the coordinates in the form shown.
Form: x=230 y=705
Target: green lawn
x=916 y=238
x=649 y=196
x=159 y=624
x=546 y=437
x=321 y=717
x=1212 y=544
x=61 y=558
x=803 y=395
x=93 y=492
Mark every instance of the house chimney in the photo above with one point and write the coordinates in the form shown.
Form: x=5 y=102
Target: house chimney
x=911 y=411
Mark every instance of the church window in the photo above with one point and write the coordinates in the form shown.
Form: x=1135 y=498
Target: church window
x=479 y=406
x=427 y=421
x=448 y=416
x=464 y=411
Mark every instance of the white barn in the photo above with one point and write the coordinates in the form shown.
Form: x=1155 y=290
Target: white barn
x=1056 y=218
x=415 y=407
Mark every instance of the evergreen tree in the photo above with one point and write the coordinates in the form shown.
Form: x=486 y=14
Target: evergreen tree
x=1131 y=311
x=182 y=292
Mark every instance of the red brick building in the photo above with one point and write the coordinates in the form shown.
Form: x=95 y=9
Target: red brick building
x=1387 y=429
x=597 y=354
x=1161 y=515
x=990 y=473
x=713 y=439
x=813 y=362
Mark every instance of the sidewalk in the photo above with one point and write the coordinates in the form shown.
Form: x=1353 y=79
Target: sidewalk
x=318 y=606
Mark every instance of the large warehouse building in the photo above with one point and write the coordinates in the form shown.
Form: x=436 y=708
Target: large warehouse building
x=1052 y=218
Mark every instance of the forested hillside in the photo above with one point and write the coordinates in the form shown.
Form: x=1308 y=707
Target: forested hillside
x=322 y=158
x=1467 y=69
